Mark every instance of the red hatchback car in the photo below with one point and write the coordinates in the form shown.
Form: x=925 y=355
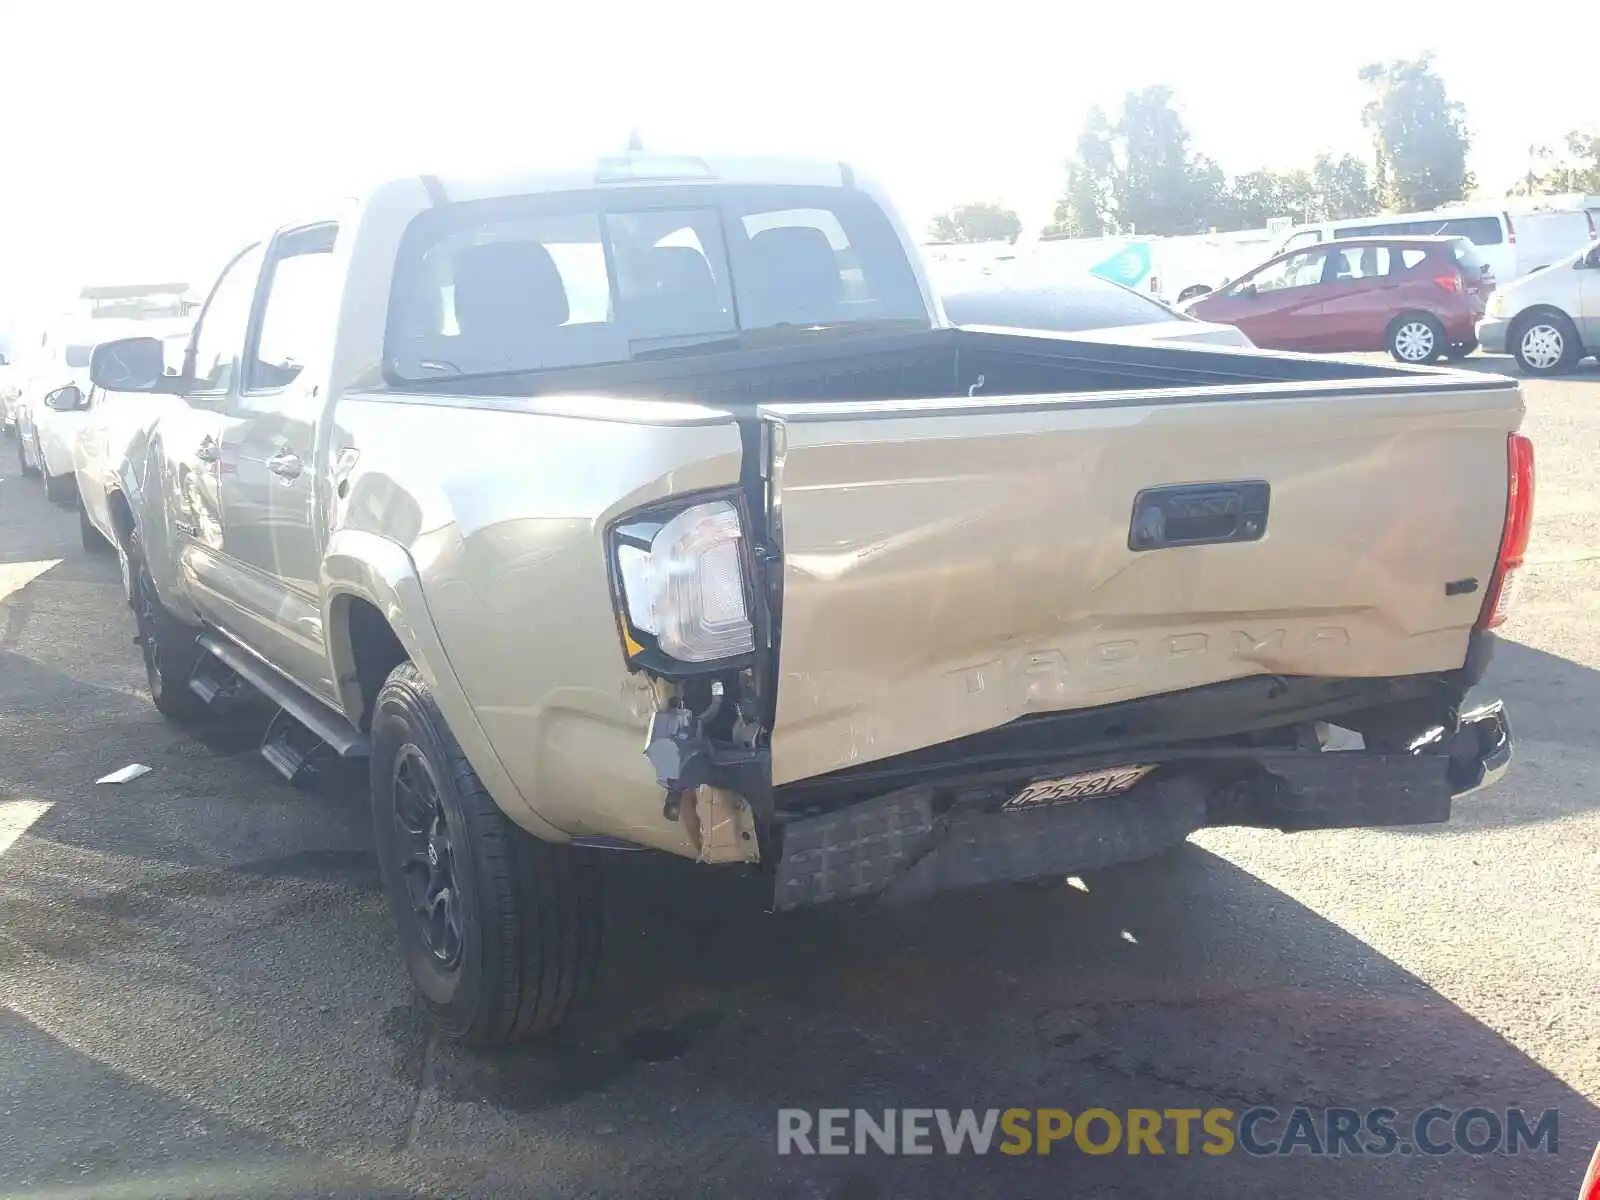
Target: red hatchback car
x=1420 y=298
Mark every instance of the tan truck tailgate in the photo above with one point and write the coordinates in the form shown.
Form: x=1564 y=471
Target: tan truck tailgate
x=950 y=566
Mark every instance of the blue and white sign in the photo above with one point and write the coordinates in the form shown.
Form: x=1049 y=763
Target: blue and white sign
x=1129 y=266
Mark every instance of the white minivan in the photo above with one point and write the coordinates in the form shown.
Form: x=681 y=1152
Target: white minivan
x=1512 y=244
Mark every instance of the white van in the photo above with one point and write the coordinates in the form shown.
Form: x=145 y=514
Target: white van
x=1512 y=243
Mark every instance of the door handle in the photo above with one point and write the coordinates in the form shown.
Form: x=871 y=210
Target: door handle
x=345 y=462
x=208 y=451
x=285 y=464
x=1199 y=514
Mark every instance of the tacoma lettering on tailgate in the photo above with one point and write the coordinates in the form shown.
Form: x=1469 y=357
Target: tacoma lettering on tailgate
x=1051 y=673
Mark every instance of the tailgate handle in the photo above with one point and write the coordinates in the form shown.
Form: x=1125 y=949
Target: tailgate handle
x=1199 y=514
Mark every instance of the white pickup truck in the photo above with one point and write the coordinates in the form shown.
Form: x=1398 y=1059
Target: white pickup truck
x=656 y=505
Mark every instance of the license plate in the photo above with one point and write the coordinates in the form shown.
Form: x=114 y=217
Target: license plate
x=1109 y=781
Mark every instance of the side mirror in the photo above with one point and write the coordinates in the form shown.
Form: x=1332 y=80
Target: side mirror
x=66 y=399
x=134 y=364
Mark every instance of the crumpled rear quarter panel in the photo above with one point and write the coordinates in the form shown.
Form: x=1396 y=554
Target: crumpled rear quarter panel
x=503 y=506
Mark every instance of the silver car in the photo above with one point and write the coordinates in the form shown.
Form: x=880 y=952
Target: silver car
x=1550 y=319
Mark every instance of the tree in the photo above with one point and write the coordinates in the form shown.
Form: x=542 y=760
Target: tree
x=1341 y=188
x=1154 y=190
x=1576 y=168
x=1085 y=208
x=1210 y=194
x=1583 y=161
x=1419 y=133
x=976 y=221
x=1254 y=198
x=1079 y=212
x=1136 y=174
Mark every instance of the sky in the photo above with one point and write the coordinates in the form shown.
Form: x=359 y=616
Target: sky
x=148 y=139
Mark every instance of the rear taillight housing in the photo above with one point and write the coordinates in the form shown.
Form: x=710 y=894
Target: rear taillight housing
x=1511 y=231
x=1513 y=535
x=1593 y=233
x=1450 y=281
x=1591 y=1182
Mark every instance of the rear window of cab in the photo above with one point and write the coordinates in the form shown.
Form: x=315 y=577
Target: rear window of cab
x=546 y=282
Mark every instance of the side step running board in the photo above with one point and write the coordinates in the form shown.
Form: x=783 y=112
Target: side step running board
x=303 y=724
x=215 y=682
x=292 y=749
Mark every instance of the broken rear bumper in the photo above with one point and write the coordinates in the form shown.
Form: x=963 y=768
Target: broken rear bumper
x=1480 y=753
x=921 y=840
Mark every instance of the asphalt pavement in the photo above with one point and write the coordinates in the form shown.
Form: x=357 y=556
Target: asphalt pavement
x=200 y=992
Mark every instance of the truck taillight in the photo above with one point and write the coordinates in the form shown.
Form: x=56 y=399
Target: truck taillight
x=1450 y=282
x=1514 y=535
x=1511 y=231
x=1593 y=233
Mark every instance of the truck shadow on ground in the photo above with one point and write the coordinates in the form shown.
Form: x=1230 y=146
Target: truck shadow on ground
x=1181 y=982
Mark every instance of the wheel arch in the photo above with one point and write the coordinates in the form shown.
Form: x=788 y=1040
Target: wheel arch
x=375 y=616
x=120 y=512
x=141 y=482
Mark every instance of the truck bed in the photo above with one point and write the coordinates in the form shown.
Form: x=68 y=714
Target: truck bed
x=937 y=363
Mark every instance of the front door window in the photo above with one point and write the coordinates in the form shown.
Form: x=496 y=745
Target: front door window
x=1297 y=270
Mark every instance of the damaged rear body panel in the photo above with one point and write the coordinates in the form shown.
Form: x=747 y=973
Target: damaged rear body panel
x=949 y=569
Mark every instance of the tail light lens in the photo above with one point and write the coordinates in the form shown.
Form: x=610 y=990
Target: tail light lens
x=681 y=585
x=1514 y=534
x=1591 y=1182
x=1593 y=233
x=1511 y=231
x=1450 y=282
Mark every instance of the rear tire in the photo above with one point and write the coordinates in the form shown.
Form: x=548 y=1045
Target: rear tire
x=500 y=931
x=89 y=535
x=1545 y=343
x=1416 y=338
x=171 y=647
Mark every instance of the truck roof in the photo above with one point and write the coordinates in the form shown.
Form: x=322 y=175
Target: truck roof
x=635 y=168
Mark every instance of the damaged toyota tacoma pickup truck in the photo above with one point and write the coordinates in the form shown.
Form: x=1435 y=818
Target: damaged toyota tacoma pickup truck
x=655 y=505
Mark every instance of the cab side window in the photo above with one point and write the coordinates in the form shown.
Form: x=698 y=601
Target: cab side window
x=219 y=337
x=296 y=311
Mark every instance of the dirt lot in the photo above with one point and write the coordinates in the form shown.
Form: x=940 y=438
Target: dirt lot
x=200 y=994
